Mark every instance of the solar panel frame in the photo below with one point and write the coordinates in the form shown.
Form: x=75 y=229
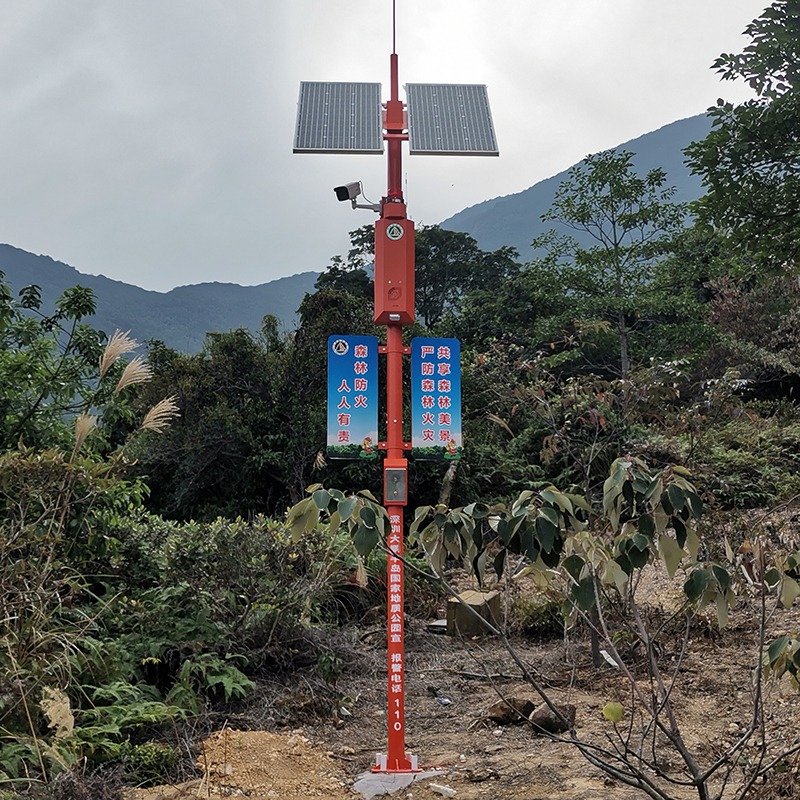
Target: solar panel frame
x=450 y=119
x=337 y=117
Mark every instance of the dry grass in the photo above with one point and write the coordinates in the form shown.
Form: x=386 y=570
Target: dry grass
x=136 y=371
x=83 y=424
x=119 y=344
x=161 y=415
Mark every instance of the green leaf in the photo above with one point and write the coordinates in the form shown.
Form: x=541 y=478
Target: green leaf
x=655 y=485
x=583 y=592
x=647 y=525
x=580 y=502
x=367 y=516
x=574 y=566
x=546 y=533
x=696 y=584
x=722 y=577
x=365 y=539
x=677 y=497
x=624 y=563
x=613 y=712
x=548 y=495
x=528 y=545
x=346 y=508
x=671 y=553
x=695 y=504
x=499 y=563
x=680 y=531
x=322 y=498
x=551 y=515
x=481 y=511
x=563 y=502
x=772 y=577
x=551 y=559
x=776 y=648
x=789 y=591
x=638 y=558
x=478 y=566
x=627 y=492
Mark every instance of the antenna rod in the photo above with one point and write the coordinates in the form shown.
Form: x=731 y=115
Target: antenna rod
x=394 y=26
x=394 y=130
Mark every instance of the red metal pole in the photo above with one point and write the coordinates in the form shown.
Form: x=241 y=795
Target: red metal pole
x=396 y=759
x=394 y=271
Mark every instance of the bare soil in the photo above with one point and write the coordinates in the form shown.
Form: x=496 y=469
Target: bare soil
x=311 y=740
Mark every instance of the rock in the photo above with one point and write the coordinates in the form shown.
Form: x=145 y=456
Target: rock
x=437 y=626
x=481 y=774
x=460 y=621
x=511 y=710
x=545 y=721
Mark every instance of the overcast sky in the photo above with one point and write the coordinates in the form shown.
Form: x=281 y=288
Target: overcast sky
x=151 y=140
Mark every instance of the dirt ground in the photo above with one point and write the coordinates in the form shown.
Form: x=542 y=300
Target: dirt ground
x=309 y=740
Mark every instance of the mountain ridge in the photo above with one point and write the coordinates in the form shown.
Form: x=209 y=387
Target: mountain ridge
x=514 y=219
x=182 y=316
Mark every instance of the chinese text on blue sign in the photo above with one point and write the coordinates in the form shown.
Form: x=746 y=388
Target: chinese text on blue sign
x=352 y=397
x=436 y=398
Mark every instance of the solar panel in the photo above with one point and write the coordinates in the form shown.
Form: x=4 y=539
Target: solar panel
x=450 y=119
x=339 y=118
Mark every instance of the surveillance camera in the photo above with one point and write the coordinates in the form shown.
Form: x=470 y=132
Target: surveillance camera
x=349 y=191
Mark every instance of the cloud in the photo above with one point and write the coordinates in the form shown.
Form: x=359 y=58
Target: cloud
x=150 y=140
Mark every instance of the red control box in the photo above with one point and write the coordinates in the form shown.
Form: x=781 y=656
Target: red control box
x=394 y=271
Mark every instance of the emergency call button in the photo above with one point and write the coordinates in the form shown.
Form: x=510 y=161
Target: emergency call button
x=394 y=485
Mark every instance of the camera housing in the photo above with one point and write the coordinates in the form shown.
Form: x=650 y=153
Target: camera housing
x=348 y=192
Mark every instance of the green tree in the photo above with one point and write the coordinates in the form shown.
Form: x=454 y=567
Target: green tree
x=629 y=223
x=223 y=456
x=253 y=414
x=448 y=264
x=350 y=275
x=305 y=381
x=750 y=161
x=48 y=366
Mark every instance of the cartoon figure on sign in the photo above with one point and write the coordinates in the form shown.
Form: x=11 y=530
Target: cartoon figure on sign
x=366 y=447
x=451 y=451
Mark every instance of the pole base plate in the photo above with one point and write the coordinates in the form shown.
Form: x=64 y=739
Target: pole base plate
x=384 y=764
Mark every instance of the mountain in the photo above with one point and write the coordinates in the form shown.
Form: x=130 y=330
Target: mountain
x=180 y=318
x=515 y=219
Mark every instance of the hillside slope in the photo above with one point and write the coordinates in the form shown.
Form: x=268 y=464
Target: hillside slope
x=180 y=318
x=515 y=219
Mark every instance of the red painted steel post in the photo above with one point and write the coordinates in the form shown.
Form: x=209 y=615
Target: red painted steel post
x=394 y=307
x=396 y=758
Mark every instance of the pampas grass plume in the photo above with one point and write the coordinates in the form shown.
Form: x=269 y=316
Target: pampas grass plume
x=83 y=424
x=119 y=344
x=137 y=370
x=161 y=415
